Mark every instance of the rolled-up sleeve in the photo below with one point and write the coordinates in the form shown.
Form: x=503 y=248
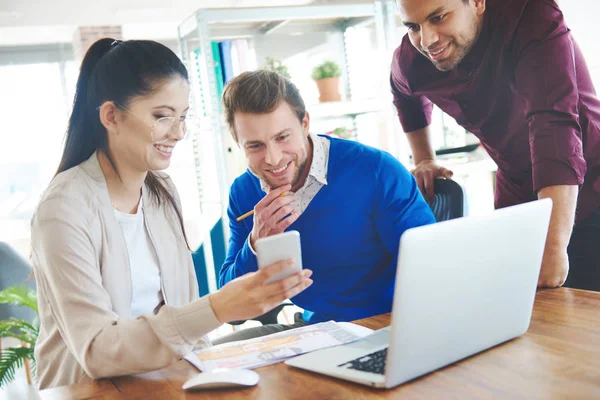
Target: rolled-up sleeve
x=546 y=78
x=414 y=112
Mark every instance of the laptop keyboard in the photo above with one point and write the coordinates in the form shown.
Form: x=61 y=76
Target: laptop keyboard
x=374 y=362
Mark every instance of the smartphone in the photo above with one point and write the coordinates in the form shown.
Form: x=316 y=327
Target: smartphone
x=280 y=247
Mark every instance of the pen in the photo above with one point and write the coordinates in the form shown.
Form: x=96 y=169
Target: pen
x=251 y=212
x=241 y=217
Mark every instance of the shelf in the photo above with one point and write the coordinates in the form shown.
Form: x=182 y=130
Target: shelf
x=343 y=108
x=247 y=22
x=309 y=29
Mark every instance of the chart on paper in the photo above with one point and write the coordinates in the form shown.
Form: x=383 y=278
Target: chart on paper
x=276 y=347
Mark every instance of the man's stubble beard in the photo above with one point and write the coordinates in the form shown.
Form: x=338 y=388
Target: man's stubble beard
x=461 y=51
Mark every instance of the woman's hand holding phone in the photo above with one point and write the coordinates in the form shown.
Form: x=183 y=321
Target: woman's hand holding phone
x=250 y=295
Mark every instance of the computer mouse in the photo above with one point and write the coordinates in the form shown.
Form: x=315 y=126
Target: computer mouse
x=230 y=378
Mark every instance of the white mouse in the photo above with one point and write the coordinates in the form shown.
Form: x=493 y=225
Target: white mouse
x=230 y=378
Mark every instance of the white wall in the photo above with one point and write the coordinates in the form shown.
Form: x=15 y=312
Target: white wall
x=581 y=17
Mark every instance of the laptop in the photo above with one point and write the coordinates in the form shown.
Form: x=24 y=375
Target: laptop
x=462 y=286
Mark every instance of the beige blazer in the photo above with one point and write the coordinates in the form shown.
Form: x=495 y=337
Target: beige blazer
x=83 y=280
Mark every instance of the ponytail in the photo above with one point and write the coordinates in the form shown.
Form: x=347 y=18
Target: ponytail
x=117 y=71
x=79 y=146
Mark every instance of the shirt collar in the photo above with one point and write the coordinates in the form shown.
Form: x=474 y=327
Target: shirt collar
x=318 y=166
x=320 y=160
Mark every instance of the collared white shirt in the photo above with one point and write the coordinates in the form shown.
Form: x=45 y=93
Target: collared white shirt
x=316 y=179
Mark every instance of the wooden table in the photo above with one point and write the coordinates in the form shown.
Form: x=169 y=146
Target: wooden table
x=558 y=358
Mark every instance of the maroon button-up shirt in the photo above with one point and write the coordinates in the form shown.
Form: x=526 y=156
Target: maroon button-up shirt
x=525 y=91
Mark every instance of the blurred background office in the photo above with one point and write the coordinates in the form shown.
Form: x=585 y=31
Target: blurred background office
x=41 y=44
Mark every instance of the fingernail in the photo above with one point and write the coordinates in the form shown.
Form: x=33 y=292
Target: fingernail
x=307 y=272
x=290 y=262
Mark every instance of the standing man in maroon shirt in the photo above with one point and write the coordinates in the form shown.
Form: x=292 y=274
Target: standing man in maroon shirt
x=510 y=72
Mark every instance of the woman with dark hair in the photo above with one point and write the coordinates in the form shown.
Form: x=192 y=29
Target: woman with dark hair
x=117 y=290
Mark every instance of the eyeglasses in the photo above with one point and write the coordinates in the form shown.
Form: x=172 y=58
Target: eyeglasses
x=167 y=127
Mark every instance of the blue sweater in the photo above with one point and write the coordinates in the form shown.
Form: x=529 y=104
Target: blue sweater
x=349 y=232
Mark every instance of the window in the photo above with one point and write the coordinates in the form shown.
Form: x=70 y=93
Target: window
x=38 y=86
x=35 y=108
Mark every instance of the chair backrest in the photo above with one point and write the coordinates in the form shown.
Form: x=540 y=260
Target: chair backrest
x=217 y=241
x=449 y=202
x=14 y=270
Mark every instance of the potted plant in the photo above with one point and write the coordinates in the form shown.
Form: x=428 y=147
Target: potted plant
x=278 y=66
x=342 y=133
x=327 y=77
x=15 y=357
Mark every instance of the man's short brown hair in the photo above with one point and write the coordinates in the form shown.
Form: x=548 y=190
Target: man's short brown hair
x=260 y=92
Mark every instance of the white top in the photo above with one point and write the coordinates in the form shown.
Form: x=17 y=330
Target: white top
x=79 y=257
x=143 y=263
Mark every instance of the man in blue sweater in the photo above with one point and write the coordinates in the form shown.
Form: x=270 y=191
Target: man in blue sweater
x=350 y=203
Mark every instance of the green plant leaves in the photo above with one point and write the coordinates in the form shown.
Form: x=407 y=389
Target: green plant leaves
x=329 y=69
x=277 y=66
x=19 y=329
x=21 y=296
x=10 y=360
x=342 y=132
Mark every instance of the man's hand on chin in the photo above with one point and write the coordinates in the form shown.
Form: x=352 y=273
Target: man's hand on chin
x=555 y=268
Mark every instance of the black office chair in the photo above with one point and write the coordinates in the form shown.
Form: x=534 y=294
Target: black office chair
x=450 y=200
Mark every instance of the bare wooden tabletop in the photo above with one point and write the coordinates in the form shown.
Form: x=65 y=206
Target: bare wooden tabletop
x=558 y=358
